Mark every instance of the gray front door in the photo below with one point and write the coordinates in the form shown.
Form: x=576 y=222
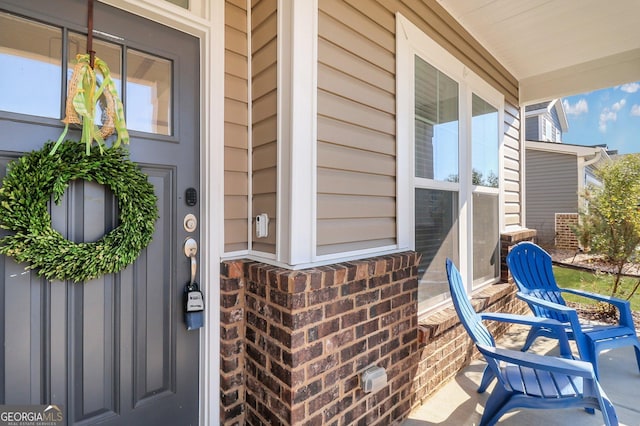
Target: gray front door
x=113 y=350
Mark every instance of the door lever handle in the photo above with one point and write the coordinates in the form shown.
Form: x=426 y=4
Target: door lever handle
x=190 y=250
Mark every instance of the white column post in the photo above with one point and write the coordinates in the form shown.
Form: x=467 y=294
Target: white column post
x=297 y=130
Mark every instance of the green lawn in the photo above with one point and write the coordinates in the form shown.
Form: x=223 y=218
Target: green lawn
x=595 y=283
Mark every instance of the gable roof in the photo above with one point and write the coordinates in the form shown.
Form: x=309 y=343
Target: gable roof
x=547 y=106
x=585 y=151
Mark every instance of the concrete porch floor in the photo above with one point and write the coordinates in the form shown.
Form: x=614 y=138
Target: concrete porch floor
x=458 y=404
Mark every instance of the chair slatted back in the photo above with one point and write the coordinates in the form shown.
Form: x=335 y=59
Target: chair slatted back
x=468 y=316
x=532 y=271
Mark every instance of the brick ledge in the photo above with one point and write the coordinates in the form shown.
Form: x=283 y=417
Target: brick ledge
x=438 y=322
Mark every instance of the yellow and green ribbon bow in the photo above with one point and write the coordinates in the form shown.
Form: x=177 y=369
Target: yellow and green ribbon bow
x=84 y=94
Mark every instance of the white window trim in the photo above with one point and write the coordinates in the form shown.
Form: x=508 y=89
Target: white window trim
x=297 y=131
x=411 y=41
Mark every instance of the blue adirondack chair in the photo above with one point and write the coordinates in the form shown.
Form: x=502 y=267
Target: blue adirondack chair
x=527 y=380
x=532 y=272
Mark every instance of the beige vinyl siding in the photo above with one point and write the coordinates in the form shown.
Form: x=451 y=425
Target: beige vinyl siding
x=236 y=190
x=356 y=147
x=552 y=187
x=512 y=167
x=356 y=131
x=264 y=27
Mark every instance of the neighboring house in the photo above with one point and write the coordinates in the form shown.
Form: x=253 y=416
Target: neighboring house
x=334 y=153
x=546 y=121
x=556 y=174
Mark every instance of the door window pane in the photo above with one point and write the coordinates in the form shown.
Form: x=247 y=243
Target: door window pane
x=148 y=95
x=110 y=53
x=486 y=238
x=436 y=238
x=436 y=124
x=181 y=3
x=30 y=67
x=484 y=141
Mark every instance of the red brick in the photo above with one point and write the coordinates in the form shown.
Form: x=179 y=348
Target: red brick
x=324 y=399
x=380 y=309
x=306 y=354
x=351 y=351
x=382 y=280
x=229 y=333
x=390 y=290
x=366 y=360
x=303 y=319
x=367 y=328
x=229 y=300
x=320 y=366
x=353 y=287
x=307 y=391
x=230 y=284
x=322 y=296
x=367 y=298
x=342 y=372
x=376 y=339
x=353 y=318
x=338 y=340
x=338 y=307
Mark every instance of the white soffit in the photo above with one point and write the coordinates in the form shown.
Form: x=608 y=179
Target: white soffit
x=556 y=48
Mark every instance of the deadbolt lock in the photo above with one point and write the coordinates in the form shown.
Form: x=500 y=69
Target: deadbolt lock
x=190 y=223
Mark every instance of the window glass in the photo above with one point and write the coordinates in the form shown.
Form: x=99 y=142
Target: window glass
x=436 y=124
x=486 y=238
x=30 y=67
x=110 y=53
x=452 y=124
x=436 y=238
x=148 y=95
x=548 y=130
x=484 y=142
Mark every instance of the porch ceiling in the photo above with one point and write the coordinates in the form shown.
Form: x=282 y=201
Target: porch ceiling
x=557 y=48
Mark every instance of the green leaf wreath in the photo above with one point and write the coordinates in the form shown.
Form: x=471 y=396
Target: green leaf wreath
x=34 y=179
x=31 y=182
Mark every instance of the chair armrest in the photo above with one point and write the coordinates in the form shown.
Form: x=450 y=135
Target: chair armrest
x=522 y=319
x=619 y=303
x=556 y=326
x=623 y=306
x=556 y=307
x=540 y=362
x=570 y=313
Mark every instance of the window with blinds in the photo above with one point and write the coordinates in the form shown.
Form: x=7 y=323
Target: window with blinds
x=436 y=164
x=441 y=104
x=450 y=136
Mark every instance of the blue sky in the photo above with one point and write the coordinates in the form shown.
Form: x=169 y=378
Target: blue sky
x=609 y=116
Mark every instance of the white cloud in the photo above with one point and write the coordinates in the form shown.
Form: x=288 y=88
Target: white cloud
x=605 y=116
x=580 y=107
x=619 y=105
x=610 y=114
x=635 y=110
x=630 y=87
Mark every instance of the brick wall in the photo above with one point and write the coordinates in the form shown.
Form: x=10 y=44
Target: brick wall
x=310 y=334
x=294 y=343
x=508 y=240
x=232 y=342
x=565 y=238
